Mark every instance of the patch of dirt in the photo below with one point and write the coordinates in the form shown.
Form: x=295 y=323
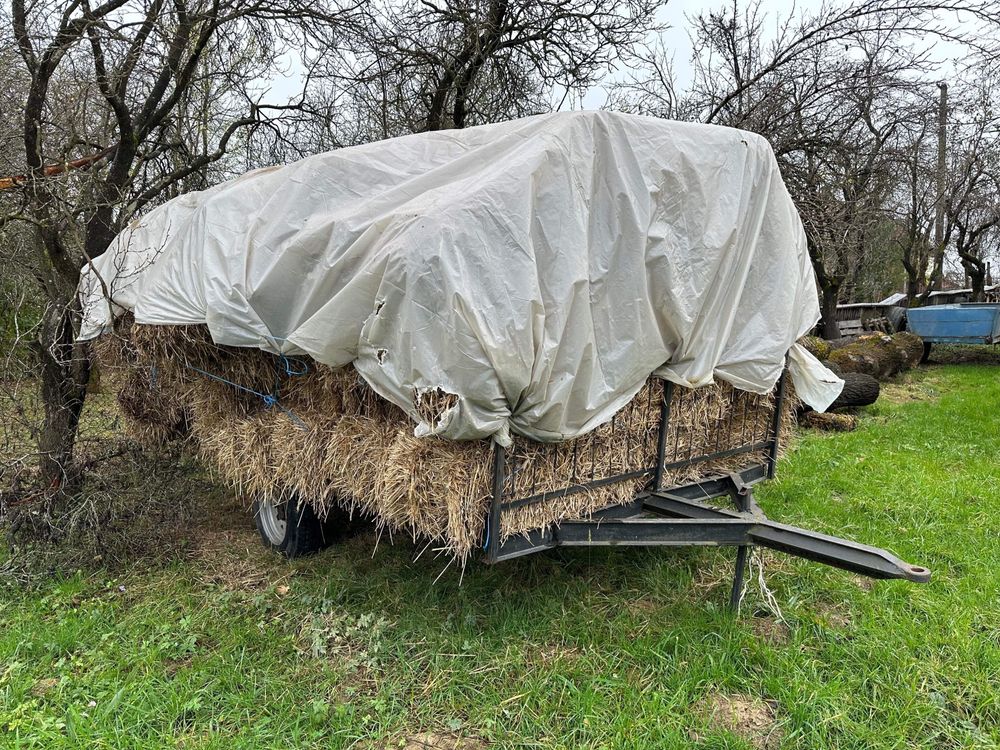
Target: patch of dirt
x=44 y=686
x=438 y=741
x=228 y=551
x=548 y=653
x=234 y=559
x=443 y=741
x=863 y=582
x=771 y=630
x=172 y=666
x=745 y=716
x=834 y=615
x=358 y=682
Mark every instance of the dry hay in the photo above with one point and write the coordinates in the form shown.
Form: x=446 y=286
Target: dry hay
x=332 y=440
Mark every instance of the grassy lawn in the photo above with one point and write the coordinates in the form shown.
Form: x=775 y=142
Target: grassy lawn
x=224 y=646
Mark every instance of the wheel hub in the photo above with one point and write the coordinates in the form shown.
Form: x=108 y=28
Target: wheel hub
x=272 y=521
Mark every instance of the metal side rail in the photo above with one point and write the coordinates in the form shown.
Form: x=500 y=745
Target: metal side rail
x=681 y=516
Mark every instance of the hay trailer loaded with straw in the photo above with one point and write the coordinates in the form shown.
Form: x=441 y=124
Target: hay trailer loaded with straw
x=569 y=330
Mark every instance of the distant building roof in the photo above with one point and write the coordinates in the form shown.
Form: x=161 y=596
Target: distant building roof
x=894 y=299
x=951 y=292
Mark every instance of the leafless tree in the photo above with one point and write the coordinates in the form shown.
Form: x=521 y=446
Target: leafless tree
x=840 y=169
x=451 y=63
x=912 y=207
x=972 y=208
x=833 y=91
x=123 y=103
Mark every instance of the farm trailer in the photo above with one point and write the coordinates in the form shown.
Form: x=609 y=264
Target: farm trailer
x=964 y=323
x=714 y=509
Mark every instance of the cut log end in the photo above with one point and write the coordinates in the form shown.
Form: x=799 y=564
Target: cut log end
x=859 y=390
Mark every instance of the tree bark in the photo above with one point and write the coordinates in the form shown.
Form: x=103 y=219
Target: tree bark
x=828 y=308
x=461 y=73
x=978 y=278
x=65 y=372
x=912 y=288
x=859 y=390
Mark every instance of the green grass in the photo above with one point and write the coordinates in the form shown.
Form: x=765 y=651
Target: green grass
x=232 y=648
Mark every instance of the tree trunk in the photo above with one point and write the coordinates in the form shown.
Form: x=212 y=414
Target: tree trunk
x=978 y=278
x=912 y=286
x=829 y=300
x=65 y=372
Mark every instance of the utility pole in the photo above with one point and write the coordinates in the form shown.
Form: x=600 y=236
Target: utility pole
x=938 y=272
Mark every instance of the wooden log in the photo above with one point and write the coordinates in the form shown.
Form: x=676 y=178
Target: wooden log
x=816 y=346
x=878 y=355
x=910 y=346
x=859 y=390
x=840 y=343
x=833 y=367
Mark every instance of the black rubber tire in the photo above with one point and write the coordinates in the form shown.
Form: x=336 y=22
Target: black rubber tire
x=304 y=533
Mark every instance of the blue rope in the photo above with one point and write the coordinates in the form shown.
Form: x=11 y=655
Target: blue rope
x=270 y=399
x=287 y=362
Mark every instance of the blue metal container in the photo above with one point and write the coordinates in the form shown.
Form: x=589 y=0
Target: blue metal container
x=967 y=323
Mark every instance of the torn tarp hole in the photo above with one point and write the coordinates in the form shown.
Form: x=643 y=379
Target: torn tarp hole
x=433 y=404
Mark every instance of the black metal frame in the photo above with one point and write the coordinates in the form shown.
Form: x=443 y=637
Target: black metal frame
x=684 y=515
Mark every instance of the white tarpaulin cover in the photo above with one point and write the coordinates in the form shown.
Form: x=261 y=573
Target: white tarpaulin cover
x=539 y=269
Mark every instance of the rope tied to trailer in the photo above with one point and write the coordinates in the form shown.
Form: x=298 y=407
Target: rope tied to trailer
x=270 y=400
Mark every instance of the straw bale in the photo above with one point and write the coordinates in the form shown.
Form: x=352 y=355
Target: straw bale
x=331 y=440
x=154 y=415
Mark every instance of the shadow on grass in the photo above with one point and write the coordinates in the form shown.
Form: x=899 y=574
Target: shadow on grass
x=133 y=509
x=946 y=354
x=157 y=510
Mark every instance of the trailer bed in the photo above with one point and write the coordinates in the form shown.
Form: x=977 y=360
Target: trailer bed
x=965 y=323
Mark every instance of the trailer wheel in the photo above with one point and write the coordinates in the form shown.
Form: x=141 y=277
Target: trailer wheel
x=927 y=352
x=290 y=528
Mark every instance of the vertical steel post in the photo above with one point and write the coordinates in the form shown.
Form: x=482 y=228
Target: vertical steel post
x=661 y=438
x=493 y=523
x=742 y=552
x=736 y=596
x=779 y=404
